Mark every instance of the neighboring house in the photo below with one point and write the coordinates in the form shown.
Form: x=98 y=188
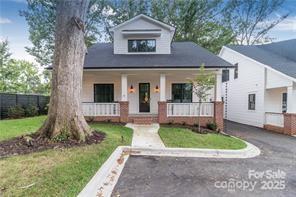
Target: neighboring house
x=261 y=90
x=143 y=77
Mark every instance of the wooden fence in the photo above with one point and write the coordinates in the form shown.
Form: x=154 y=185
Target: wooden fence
x=8 y=100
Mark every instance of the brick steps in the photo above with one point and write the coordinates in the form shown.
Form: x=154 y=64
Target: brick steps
x=143 y=119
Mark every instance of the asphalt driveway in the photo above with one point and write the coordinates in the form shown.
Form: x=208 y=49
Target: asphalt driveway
x=273 y=173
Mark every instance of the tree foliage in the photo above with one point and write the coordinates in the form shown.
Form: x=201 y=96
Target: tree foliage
x=18 y=76
x=209 y=23
x=251 y=20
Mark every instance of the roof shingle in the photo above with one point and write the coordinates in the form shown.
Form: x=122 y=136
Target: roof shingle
x=281 y=56
x=183 y=55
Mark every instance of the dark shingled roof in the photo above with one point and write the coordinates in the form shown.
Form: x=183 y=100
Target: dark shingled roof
x=183 y=55
x=280 y=56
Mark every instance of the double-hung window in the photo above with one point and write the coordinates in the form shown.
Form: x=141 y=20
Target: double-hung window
x=252 y=102
x=103 y=93
x=284 y=103
x=182 y=92
x=225 y=75
x=236 y=71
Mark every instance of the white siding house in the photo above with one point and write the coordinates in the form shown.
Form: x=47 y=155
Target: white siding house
x=271 y=76
x=143 y=77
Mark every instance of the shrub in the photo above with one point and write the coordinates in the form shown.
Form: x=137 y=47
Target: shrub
x=16 y=112
x=212 y=126
x=31 y=110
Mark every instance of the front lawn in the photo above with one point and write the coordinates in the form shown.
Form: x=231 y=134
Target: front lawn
x=17 y=127
x=60 y=172
x=185 y=138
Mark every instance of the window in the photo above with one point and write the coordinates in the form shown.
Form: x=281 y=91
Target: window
x=284 y=103
x=252 y=101
x=141 y=45
x=225 y=75
x=182 y=93
x=103 y=93
x=236 y=71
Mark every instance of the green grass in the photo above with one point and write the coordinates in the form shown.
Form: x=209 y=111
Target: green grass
x=185 y=138
x=17 y=127
x=58 y=172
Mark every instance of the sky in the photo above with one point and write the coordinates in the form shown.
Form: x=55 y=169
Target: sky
x=14 y=28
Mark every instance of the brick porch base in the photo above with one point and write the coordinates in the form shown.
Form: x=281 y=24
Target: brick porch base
x=289 y=124
x=162 y=117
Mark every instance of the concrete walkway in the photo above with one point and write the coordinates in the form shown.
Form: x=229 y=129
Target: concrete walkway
x=146 y=136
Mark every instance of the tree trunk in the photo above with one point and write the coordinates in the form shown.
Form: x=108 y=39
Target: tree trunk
x=65 y=116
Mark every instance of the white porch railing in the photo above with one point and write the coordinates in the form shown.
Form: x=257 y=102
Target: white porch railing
x=190 y=109
x=276 y=119
x=100 y=109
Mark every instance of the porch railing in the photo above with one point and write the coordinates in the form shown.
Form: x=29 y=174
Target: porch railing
x=276 y=119
x=190 y=109
x=100 y=109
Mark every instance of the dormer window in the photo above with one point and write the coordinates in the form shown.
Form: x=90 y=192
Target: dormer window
x=143 y=45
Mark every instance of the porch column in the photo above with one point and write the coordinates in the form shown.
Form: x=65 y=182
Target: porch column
x=123 y=87
x=218 y=104
x=218 y=87
x=162 y=87
x=290 y=116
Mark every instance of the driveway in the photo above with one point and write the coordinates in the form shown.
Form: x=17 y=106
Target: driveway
x=273 y=173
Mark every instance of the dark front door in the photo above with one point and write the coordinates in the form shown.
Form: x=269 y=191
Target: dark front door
x=144 y=97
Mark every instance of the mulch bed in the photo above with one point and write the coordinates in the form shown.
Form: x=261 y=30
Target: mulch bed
x=31 y=143
x=203 y=130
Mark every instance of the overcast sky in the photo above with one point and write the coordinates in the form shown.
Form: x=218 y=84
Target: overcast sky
x=14 y=27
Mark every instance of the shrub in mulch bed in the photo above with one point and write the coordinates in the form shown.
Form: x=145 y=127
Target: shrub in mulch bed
x=194 y=128
x=32 y=143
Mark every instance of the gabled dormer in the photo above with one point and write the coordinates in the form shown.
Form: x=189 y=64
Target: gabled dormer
x=142 y=35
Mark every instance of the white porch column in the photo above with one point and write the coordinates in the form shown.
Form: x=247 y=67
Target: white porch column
x=123 y=87
x=162 y=87
x=291 y=99
x=218 y=87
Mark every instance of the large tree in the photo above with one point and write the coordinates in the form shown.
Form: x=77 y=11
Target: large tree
x=65 y=116
x=41 y=16
x=251 y=20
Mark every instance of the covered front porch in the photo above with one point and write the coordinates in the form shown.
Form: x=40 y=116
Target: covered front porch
x=280 y=109
x=146 y=96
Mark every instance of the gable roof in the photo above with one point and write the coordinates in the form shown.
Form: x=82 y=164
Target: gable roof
x=280 y=56
x=148 y=18
x=183 y=55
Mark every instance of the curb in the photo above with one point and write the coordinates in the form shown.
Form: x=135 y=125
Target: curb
x=249 y=152
x=104 y=181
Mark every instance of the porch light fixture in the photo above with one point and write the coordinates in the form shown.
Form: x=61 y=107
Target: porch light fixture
x=131 y=89
x=156 y=89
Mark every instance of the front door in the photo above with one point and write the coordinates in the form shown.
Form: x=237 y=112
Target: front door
x=144 y=97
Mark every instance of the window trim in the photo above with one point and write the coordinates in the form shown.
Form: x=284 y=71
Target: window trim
x=249 y=102
x=172 y=99
x=94 y=91
x=128 y=50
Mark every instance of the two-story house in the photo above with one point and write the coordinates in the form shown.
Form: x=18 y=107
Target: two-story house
x=261 y=89
x=143 y=77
